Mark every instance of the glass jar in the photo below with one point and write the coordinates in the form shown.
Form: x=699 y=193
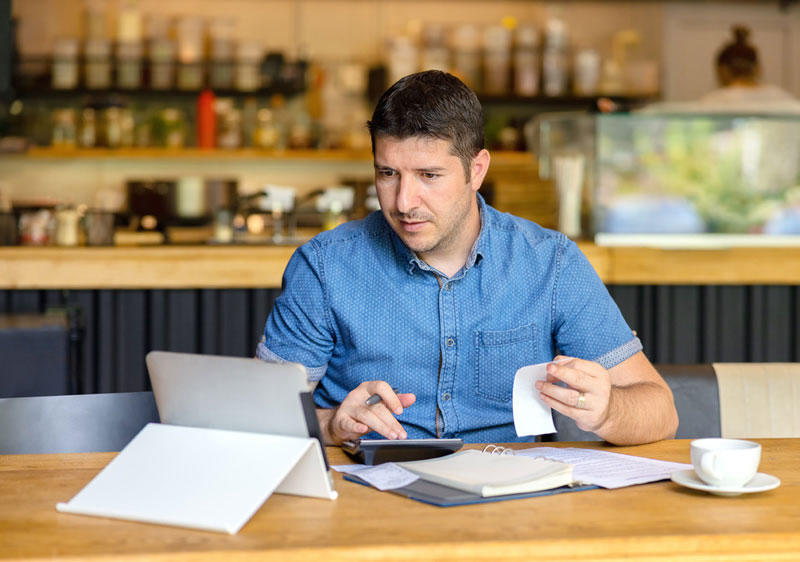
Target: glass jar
x=190 y=53
x=555 y=59
x=248 y=67
x=65 y=64
x=99 y=226
x=162 y=64
x=497 y=60
x=129 y=65
x=403 y=57
x=435 y=55
x=66 y=231
x=265 y=134
x=112 y=121
x=587 y=72
x=229 y=128
x=526 y=61
x=98 y=64
x=64 y=128
x=222 y=44
x=127 y=127
x=174 y=127
x=35 y=227
x=467 y=55
x=161 y=52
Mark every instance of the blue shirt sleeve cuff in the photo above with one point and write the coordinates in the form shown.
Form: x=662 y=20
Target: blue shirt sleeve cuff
x=266 y=354
x=620 y=354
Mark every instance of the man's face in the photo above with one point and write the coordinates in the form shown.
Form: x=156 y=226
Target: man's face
x=424 y=195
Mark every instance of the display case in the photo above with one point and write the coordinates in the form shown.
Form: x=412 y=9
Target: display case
x=662 y=178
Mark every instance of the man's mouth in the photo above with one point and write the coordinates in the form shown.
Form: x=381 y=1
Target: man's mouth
x=412 y=226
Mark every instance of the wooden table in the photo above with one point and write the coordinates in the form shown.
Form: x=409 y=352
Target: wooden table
x=660 y=521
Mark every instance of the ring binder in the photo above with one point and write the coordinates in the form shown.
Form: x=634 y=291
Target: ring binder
x=498 y=450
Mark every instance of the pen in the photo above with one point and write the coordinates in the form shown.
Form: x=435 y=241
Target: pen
x=375 y=398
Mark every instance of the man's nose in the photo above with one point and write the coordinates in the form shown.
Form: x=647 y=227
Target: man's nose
x=407 y=194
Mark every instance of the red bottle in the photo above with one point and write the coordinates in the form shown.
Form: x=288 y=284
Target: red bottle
x=206 y=120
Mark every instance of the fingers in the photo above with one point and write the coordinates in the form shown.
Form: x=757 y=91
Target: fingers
x=354 y=417
x=567 y=396
x=585 y=398
x=388 y=397
x=407 y=399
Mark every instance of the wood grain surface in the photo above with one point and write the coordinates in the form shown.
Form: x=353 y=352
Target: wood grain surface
x=171 y=267
x=659 y=521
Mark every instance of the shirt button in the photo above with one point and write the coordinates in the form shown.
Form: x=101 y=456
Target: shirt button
x=450 y=342
x=447 y=287
x=446 y=396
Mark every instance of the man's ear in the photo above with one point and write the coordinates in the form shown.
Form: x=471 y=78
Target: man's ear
x=479 y=168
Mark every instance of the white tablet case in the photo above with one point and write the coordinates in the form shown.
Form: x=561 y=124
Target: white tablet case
x=209 y=479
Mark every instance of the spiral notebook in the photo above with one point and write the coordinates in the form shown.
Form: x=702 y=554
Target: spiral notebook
x=494 y=474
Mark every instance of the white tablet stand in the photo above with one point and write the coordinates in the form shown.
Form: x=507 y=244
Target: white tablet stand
x=209 y=479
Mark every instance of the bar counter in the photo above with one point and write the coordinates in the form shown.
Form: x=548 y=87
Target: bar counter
x=252 y=266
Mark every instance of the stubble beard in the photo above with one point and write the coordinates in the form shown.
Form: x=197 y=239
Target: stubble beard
x=447 y=231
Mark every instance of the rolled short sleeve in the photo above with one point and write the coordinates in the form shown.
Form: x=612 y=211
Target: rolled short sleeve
x=298 y=328
x=587 y=322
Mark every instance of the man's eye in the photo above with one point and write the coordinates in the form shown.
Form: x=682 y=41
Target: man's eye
x=386 y=173
x=429 y=175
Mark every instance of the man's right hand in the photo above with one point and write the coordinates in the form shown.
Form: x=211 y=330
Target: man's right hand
x=354 y=417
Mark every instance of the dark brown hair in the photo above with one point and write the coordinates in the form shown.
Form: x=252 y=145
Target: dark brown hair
x=431 y=104
x=739 y=57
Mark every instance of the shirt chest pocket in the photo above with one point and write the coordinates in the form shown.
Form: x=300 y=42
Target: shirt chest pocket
x=498 y=356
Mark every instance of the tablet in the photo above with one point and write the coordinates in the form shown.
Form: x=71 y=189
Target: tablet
x=377 y=451
x=235 y=393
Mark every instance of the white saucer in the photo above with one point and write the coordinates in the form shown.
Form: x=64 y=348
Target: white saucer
x=760 y=483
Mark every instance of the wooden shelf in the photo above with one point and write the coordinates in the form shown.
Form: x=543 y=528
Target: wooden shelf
x=501 y=158
x=173 y=267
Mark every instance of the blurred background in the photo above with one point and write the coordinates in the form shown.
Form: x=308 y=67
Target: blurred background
x=206 y=129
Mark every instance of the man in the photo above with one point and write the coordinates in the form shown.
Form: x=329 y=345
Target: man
x=444 y=298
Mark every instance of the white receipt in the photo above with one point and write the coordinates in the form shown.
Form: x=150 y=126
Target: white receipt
x=386 y=476
x=607 y=469
x=531 y=415
x=349 y=468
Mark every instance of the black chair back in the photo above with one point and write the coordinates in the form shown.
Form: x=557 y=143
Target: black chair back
x=78 y=423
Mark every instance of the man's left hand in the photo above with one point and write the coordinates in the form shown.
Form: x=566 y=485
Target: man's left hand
x=587 y=396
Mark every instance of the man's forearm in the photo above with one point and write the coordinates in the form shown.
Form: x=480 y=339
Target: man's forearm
x=639 y=413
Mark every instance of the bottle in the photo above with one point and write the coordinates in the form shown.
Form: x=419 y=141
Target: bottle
x=88 y=132
x=206 y=120
x=64 y=129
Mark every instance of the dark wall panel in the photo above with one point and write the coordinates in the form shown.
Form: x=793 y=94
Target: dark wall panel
x=677 y=324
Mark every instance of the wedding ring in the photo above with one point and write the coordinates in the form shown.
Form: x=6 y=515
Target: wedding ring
x=581 y=399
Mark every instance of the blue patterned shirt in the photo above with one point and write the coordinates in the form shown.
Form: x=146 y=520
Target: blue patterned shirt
x=358 y=305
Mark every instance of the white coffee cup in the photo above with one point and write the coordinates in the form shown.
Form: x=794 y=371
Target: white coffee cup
x=726 y=463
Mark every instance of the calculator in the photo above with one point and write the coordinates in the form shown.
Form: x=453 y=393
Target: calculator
x=377 y=451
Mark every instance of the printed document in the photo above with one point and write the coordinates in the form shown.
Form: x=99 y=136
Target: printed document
x=607 y=469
